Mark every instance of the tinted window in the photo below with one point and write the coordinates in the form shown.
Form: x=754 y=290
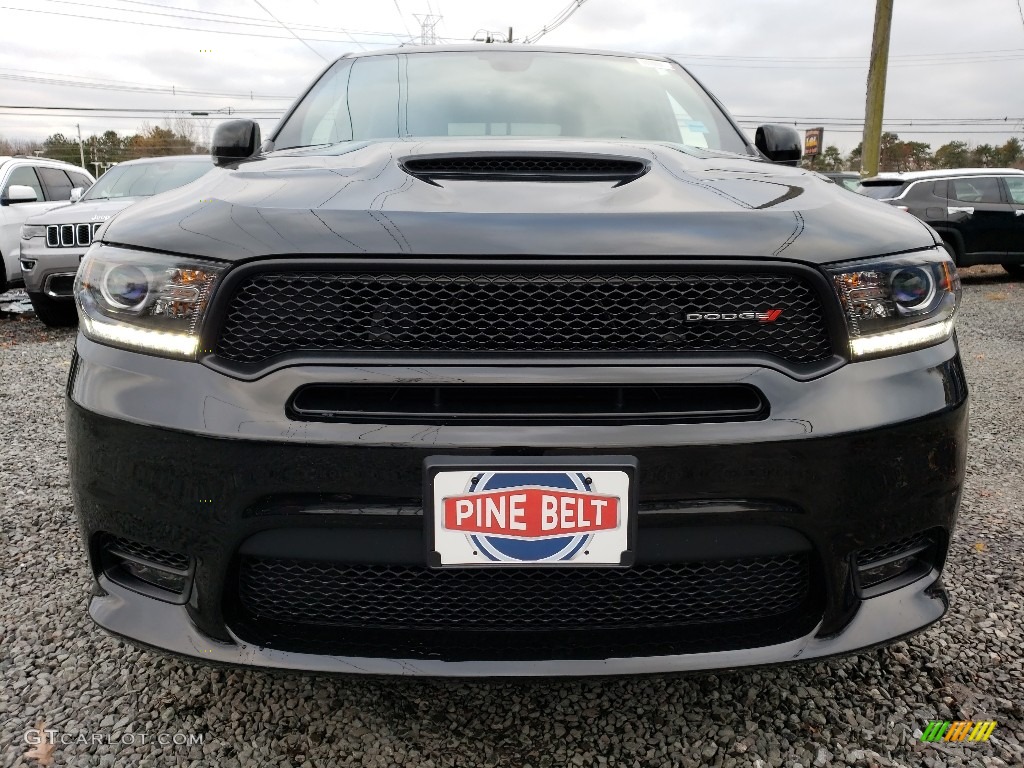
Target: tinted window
x=941 y=188
x=881 y=190
x=145 y=179
x=26 y=176
x=975 y=190
x=1016 y=186
x=57 y=183
x=80 y=180
x=507 y=93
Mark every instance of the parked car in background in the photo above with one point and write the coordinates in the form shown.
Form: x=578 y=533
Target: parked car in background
x=846 y=179
x=978 y=211
x=502 y=360
x=54 y=242
x=29 y=186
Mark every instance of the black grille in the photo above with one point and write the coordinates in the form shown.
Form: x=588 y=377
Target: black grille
x=526 y=167
x=522 y=612
x=279 y=312
x=53 y=236
x=521 y=598
x=883 y=551
x=146 y=552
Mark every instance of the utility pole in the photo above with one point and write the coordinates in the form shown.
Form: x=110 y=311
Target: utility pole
x=871 y=149
x=81 y=149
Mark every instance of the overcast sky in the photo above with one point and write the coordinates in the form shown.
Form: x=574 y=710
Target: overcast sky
x=804 y=58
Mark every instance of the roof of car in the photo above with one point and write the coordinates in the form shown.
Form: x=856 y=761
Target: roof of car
x=501 y=47
x=36 y=159
x=203 y=158
x=941 y=173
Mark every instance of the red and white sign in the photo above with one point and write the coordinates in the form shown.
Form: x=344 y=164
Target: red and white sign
x=575 y=516
x=531 y=512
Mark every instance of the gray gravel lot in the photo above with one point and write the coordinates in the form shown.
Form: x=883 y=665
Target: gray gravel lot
x=867 y=710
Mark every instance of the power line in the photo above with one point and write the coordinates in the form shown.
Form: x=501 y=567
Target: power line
x=895 y=56
x=232 y=110
x=233 y=18
x=563 y=16
x=181 y=29
x=892 y=121
x=110 y=85
x=806 y=66
x=288 y=29
x=402 y=18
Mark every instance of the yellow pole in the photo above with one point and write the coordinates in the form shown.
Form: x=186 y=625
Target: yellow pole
x=875 y=104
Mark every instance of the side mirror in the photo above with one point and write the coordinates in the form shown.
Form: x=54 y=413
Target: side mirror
x=779 y=143
x=18 y=193
x=76 y=194
x=235 y=140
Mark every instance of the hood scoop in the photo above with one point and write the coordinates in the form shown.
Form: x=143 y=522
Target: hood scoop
x=525 y=167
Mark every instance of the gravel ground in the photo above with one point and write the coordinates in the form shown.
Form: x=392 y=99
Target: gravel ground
x=61 y=673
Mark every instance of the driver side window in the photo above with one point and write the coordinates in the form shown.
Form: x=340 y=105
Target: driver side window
x=25 y=175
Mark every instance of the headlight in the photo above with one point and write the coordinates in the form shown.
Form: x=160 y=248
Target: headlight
x=28 y=231
x=899 y=303
x=143 y=301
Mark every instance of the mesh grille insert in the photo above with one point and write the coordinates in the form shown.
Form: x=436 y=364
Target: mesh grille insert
x=272 y=313
x=883 y=551
x=145 y=552
x=516 y=599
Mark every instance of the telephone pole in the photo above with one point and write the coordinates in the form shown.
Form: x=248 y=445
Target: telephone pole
x=874 y=107
x=81 y=149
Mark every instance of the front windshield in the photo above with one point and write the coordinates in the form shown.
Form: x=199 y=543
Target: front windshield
x=145 y=179
x=508 y=93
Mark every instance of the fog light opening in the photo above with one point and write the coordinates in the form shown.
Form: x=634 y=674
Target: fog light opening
x=891 y=566
x=150 y=570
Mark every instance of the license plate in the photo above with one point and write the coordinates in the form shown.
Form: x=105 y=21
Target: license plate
x=530 y=511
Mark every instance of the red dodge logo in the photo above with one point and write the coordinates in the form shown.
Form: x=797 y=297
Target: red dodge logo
x=531 y=512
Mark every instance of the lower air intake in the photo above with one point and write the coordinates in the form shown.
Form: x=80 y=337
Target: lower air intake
x=418 y=612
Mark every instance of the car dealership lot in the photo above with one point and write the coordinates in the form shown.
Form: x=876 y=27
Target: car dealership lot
x=106 y=703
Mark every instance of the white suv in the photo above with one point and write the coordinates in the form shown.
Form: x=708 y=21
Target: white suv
x=30 y=185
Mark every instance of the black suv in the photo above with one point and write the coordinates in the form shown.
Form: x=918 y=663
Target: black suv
x=979 y=212
x=514 y=361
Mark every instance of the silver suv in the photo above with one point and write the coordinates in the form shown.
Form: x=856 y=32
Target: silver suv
x=54 y=242
x=30 y=185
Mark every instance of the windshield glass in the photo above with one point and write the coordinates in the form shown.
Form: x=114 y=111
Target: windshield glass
x=880 y=190
x=508 y=93
x=145 y=179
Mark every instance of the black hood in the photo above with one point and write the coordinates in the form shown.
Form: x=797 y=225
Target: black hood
x=361 y=199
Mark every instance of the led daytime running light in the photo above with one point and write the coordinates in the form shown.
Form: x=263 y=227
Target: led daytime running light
x=176 y=344
x=904 y=339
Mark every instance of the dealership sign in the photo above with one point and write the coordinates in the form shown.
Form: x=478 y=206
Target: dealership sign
x=813 y=139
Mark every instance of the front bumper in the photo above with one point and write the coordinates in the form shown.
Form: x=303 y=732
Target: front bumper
x=182 y=457
x=49 y=271
x=879 y=620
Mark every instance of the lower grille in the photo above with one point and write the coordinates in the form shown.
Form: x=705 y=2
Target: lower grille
x=913 y=543
x=417 y=612
x=144 y=552
x=463 y=313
